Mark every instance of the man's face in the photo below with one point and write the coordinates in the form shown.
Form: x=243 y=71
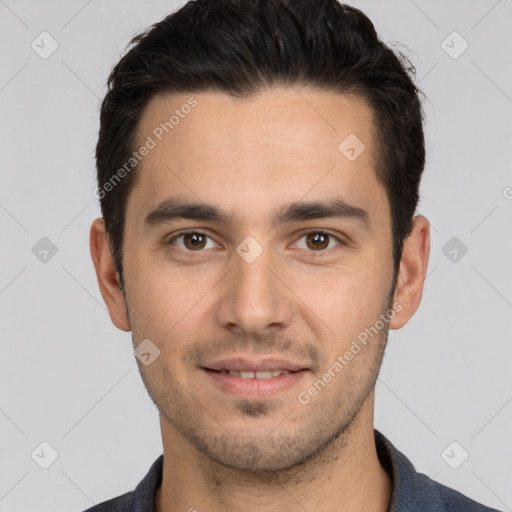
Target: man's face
x=216 y=300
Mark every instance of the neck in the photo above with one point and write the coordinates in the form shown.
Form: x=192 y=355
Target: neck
x=345 y=476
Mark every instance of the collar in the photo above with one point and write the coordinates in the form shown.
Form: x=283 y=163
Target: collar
x=411 y=491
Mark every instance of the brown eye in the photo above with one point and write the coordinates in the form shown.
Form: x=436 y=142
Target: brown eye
x=192 y=241
x=317 y=241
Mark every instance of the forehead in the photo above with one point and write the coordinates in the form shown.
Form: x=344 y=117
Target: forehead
x=276 y=147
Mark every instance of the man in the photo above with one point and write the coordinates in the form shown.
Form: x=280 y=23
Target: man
x=258 y=168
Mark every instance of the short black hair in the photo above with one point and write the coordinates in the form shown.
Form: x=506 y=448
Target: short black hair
x=242 y=47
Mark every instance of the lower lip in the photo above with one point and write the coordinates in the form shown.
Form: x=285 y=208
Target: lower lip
x=255 y=388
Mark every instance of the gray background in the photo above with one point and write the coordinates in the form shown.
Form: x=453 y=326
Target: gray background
x=69 y=378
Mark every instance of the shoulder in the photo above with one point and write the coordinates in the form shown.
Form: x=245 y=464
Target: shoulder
x=454 y=501
x=416 y=491
x=122 y=503
x=139 y=500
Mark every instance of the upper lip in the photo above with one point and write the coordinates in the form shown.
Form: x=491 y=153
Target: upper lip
x=247 y=364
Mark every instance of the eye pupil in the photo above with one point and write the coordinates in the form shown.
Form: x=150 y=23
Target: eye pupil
x=318 y=240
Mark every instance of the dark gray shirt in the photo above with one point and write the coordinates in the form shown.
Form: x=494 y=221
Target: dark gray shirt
x=412 y=491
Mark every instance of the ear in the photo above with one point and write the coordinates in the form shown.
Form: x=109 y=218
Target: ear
x=108 y=278
x=412 y=272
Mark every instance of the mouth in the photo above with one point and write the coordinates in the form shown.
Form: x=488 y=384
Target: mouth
x=254 y=374
x=243 y=378
x=243 y=363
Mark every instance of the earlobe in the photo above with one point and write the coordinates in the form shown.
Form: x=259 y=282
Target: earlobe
x=107 y=276
x=413 y=269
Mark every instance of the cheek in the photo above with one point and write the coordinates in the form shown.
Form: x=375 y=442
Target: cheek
x=350 y=298
x=163 y=298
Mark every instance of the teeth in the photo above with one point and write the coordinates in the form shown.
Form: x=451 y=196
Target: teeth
x=263 y=375
x=257 y=375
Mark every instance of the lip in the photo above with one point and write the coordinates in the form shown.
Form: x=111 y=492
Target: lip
x=248 y=364
x=254 y=388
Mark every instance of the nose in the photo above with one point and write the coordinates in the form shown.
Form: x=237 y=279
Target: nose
x=255 y=299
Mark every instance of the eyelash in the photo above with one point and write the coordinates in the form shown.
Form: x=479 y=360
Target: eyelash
x=313 y=253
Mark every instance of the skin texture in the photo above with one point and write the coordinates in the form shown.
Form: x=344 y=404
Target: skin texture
x=251 y=157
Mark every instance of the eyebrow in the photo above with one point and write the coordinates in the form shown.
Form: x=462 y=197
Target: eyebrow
x=172 y=209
